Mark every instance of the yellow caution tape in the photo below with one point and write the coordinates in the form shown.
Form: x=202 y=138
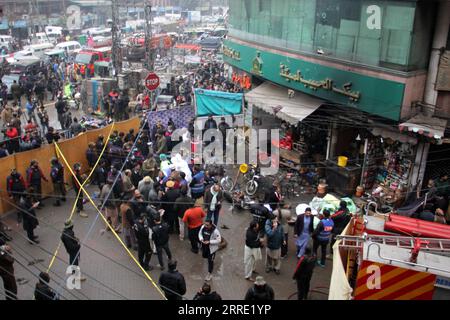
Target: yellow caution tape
x=112 y=229
x=58 y=152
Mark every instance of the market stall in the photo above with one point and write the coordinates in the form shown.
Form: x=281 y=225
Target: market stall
x=272 y=107
x=218 y=104
x=389 y=162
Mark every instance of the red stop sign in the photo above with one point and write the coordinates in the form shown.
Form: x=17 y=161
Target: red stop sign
x=152 y=81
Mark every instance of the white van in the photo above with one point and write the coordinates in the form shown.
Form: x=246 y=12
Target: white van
x=5 y=41
x=54 y=30
x=42 y=37
x=70 y=47
x=39 y=50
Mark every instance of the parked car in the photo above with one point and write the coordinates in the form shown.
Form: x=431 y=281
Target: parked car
x=30 y=66
x=70 y=47
x=210 y=43
x=5 y=42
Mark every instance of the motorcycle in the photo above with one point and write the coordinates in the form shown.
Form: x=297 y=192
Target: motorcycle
x=251 y=178
x=239 y=199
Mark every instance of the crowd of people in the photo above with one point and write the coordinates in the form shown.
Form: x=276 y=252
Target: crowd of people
x=146 y=196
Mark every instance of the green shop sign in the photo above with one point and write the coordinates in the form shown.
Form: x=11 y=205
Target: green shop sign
x=372 y=95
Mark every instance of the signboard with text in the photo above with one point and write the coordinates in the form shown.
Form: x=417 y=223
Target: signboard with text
x=152 y=81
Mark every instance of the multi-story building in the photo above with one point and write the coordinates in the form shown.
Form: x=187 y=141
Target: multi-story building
x=380 y=67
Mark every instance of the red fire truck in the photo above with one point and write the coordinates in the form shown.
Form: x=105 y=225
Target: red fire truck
x=85 y=59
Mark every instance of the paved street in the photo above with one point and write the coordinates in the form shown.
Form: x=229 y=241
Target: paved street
x=122 y=279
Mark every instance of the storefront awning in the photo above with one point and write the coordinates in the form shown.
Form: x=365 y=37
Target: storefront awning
x=396 y=136
x=428 y=126
x=275 y=100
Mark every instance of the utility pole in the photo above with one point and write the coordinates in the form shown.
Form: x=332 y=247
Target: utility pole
x=116 y=56
x=148 y=63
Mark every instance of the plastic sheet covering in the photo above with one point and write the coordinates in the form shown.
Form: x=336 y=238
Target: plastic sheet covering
x=217 y=103
x=340 y=289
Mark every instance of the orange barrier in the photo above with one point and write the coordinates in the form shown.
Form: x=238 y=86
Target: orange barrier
x=74 y=150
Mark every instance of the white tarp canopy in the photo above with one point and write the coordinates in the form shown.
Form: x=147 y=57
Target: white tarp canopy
x=394 y=135
x=275 y=100
x=430 y=126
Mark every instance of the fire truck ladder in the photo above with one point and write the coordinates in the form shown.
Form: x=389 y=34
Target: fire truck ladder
x=431 y=245
x=427 y=244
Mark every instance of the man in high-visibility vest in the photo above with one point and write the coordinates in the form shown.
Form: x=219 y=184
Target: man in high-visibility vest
x=83 y=71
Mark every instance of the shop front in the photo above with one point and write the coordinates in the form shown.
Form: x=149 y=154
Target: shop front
x=370 y=157
x=388 y=166
x=269 y=106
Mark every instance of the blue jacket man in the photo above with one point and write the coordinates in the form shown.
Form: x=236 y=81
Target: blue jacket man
x=198 y=183
x=275 y=238
x=322 y=236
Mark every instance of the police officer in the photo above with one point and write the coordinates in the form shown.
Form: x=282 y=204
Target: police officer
x=34 y=179
x=322 y=236
x=57 y=176
x=76 y=187
x=15 y=186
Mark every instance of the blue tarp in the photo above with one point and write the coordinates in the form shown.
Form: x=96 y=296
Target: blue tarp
x=20 y=24
x=217 y=103
x=180 y=116
x=4 y=25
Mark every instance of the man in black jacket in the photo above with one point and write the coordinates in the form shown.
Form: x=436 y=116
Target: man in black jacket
x=71 y=243
x=137 y=204
x=303 y=273
x=205 y=294
x=43 y=291
x=160 y=237
x=223 y=127
x=273 y=196
x=252 y=251
x=167 y=203
x=260 y=215
x=340 y=219
x=183 y=203
x=261 y=291
x=57 y=176
x=142 y=236
x=61 y=108
x=30 y=222
x=172 y=282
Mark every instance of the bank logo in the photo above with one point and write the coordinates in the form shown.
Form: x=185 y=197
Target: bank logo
x=257 y=64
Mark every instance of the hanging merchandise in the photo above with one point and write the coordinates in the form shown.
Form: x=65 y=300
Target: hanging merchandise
x=389 y=165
